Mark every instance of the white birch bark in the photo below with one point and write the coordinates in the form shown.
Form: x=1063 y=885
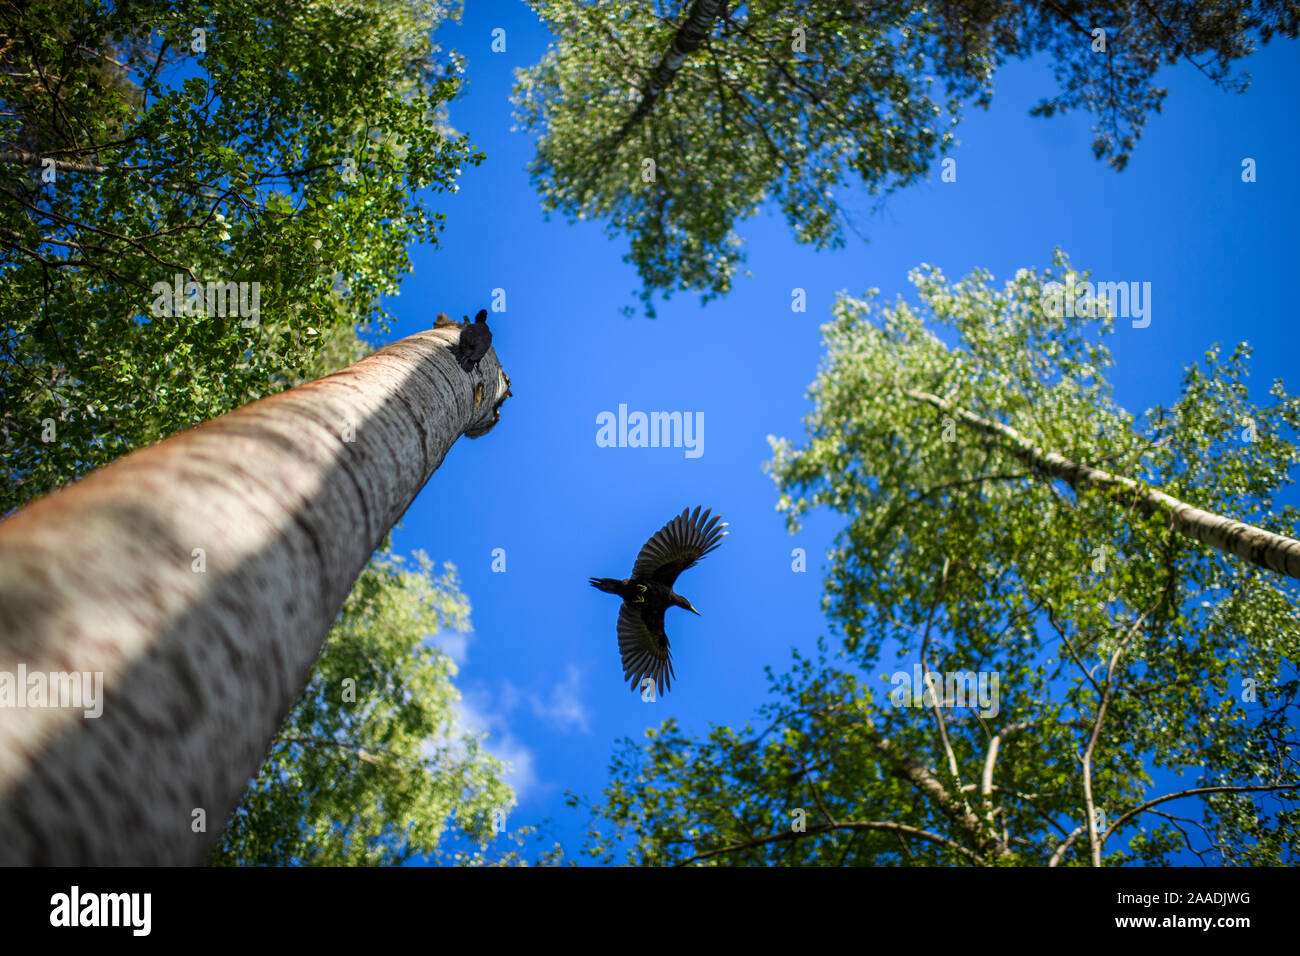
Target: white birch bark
x=690 y=36
x=1256 y=545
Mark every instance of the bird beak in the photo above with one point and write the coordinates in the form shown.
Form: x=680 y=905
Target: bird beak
x=691 y=608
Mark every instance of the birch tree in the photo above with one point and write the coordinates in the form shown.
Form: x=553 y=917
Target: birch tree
x=198 y=578
x=250 y=151
x=1028 y=653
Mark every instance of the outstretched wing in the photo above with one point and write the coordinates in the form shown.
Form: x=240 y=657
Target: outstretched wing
x=644 y=646
x=678 y=545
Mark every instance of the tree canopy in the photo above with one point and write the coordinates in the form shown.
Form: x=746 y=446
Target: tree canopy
x=1085 y=654
x=149 y=144
x=674 y=121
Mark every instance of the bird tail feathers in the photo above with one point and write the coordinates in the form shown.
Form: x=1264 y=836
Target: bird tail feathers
x=463 y=357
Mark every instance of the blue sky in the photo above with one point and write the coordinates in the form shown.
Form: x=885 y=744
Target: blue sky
x=540 y=671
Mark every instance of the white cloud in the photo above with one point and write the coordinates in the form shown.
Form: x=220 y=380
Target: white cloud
x=486 y=715
x=561 y=708
x=455 y=644
x=564 y=707
x=475 y=716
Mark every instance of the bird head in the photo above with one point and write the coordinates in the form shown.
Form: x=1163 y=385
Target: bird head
x=682 y=602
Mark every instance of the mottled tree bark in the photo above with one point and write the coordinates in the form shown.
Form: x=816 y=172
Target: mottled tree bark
x=1255 y=545
x=200 y=576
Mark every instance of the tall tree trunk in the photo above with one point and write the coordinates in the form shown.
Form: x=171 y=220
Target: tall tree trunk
x=200 y=576
x=1262 y=548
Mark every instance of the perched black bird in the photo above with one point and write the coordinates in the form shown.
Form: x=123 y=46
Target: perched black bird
x=649 y=592
x=475 y=340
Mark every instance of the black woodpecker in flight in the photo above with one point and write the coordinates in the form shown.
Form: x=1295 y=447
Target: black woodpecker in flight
x=648 y=593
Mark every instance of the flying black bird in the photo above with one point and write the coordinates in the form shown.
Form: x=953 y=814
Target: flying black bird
x=475 y=340
x=649 y=592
